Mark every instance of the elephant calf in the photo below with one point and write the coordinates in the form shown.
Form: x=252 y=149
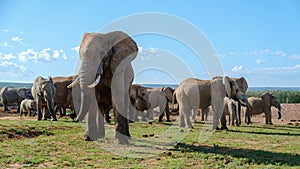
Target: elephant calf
x=263 y=105
x=28 y=107
x=230 y=108
x=139 y=98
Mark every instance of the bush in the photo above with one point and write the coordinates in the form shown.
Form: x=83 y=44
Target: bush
x=293 y=96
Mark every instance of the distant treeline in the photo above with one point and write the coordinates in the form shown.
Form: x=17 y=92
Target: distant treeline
x=16 y=85
x=293 y=96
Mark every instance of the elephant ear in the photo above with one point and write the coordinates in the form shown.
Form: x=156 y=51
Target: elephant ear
x=228 y=86
x=168 y=92
x=21 y=93
x=124 y=49
x=266 y=98
x=50 y=79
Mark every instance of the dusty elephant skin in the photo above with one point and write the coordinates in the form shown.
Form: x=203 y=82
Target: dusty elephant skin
x=160 y=97
x=194 y=94
x=63 y=96
x=139 y=99
x=28 y=107
x=106 y=58
x=14 y=95
x=43 y=92
x=263 y=105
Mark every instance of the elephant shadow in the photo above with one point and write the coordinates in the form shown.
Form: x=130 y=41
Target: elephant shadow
x=251 y=156
x=267 y=133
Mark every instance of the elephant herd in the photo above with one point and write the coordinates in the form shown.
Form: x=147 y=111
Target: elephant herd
x=104 y=82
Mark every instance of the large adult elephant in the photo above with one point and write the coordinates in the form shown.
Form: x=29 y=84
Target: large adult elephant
x=63 y=96
x=106 y=58
x=43 y=92
x=194 y=93
x=263 y=105
x=11 y=95
x=160 y=97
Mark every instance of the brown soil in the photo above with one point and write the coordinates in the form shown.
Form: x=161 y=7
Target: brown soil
x=290 y=116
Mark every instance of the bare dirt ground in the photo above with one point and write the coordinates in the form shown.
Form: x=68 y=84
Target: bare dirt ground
x=290 y=115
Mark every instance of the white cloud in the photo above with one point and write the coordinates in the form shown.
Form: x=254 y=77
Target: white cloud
x=16 y=39
x=238 y=68
x=14 y=70
x=46 y=55
x=295 y=57
x=259 y=61
x=146 y=54
x=3 y=30
x=4 y=44
x=76 y=49
x=284 y=68
x=6 y=56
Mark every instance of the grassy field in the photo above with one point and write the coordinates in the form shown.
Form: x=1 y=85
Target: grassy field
x=32 y=144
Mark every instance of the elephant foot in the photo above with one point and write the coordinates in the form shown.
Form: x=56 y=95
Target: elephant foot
x=160 y=121
x=168 y=120
x=217 y=128
x=54 y=119
x=87 y=138
x=73 y=116
x=130 y=121
x=122 y=139
x=224 y=128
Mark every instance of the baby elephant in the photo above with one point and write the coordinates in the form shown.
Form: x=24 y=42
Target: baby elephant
x=28 y=106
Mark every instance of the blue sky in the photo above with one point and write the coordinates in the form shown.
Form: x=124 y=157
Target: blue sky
x=255 y=39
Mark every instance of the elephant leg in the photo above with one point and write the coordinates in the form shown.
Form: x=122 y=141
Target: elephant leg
x=239 y=107
x=95 y=123
x=150 y=114
x=5 y=106
x=188 y=123
x=223 y=122
x=181 y=118
x=120 y=95
x=167 y=112
x=39 y=109
x=202 y=114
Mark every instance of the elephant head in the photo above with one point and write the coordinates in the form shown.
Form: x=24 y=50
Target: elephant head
x=270 y=100
x=24 y=93
x=139 y=97
x=242 y=83
x=233 y=91
x=168 y=91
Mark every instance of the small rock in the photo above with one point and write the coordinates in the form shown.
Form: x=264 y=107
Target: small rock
x=145 y=135
x=151 y=135
x=290 y=124
x=226 y=161
x=182 y=131
x=150 y=122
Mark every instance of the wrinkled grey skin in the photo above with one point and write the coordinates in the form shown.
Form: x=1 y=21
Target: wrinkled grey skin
x=14 y=95
x=263 y=105
x=194 y=94
x=28 y=107
x=109 y=56
x=230 y=109
x=160 y=97
x=43 y=92
x=139 y=98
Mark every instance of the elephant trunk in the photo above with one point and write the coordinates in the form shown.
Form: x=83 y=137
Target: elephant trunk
x=86 y=77
x=279 y=111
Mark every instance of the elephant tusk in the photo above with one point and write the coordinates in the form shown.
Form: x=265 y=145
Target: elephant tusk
x=74 y=83
x=96 y=82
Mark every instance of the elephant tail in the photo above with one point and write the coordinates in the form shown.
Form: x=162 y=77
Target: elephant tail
x=174 y=101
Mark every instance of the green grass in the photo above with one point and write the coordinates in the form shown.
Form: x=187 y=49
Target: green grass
x=60 y=145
